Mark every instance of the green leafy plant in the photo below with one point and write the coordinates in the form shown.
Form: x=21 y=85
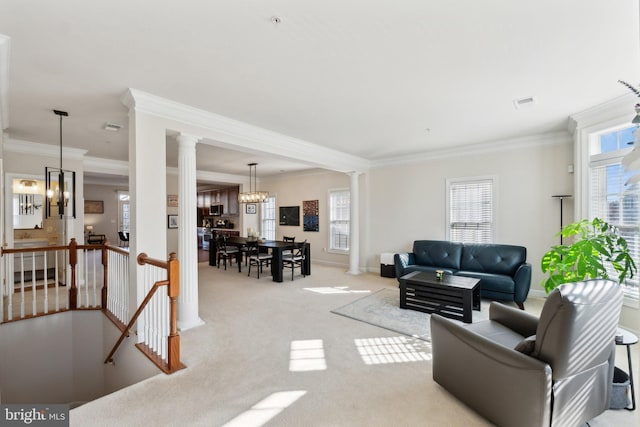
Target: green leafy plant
x=596 y=244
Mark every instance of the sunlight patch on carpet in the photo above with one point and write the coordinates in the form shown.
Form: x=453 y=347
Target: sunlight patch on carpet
x=384 y=350
x=266 y=409
x=307 y=355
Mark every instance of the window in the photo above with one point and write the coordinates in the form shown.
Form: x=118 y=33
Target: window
x=268 y=218
x=339 y=218
x=610 y=198
x=470 y=210
x=123 y=211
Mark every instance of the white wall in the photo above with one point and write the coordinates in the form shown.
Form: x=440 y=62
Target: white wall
x=34 y=165
x=35 y=362
x=407 y=202
x=130 y=364
x=60 y=359
x=292 y=191
x=172 y=233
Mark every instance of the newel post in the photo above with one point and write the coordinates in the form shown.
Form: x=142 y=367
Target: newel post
x=173 y=290
x=73 y=262
x=105 y=276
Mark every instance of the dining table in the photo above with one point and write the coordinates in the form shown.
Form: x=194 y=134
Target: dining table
x=276 y=247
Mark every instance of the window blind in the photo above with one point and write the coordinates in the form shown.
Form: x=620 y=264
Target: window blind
x=616 y=203
x=471 y=211
x=268 y=215
x=339 y=217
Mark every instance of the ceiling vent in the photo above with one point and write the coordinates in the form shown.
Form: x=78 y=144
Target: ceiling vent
x=524 y=103
x=111 y=127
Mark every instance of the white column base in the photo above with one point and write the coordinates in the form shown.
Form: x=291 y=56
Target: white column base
x=186 y=324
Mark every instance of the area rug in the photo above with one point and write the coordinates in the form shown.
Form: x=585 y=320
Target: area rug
x=382 y=309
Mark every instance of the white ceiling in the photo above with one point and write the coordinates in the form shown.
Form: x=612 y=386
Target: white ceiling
x=372 y=78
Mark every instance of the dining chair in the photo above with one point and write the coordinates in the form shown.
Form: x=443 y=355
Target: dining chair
x=257 y=258
x=124 y=238
x=288 y=239
x=225 y=252
x=296 y=259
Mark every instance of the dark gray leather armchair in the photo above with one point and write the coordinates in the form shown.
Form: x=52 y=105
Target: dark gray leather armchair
x=518 y=370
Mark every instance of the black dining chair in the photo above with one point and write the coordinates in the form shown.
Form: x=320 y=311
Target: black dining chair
x=257 y=258
x=225 y=252
x=296 y=259
x=288 y=239
x=124 y=238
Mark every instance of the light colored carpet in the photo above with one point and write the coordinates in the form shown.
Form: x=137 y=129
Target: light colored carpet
x=382 y=309
x=239 y=364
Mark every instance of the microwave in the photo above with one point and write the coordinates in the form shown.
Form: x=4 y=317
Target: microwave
x=216 y=210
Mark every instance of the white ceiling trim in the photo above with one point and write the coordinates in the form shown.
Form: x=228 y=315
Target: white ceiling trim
x=5 y=50
x=106 y=166
x=217 y=177
x=244 y=136
x=472 y=150
x=613 y=110
x=37 y=149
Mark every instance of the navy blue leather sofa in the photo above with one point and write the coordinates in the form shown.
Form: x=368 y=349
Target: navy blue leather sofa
x=502 y=269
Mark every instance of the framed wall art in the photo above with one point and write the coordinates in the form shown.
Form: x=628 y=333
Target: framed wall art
x=310 y=215
x=93 y=206
x=172 y=221
x=290 y=215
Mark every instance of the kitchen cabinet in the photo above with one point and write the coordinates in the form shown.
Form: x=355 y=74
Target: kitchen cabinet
x=224 y=200
x=233 y=201
x=228 y=198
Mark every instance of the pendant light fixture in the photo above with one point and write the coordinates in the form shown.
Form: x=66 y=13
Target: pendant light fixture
x=60 y=185
x=253 y=195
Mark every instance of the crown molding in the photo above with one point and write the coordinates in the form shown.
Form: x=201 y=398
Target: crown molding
x=106 y=166
x=552 y=138
x=5 y=50
x=243 y=136
x=38 y=149
x=107 y=181
x=615 y=109
x=218 y=177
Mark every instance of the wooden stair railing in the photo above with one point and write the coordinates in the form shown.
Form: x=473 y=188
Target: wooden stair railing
x=172 y=364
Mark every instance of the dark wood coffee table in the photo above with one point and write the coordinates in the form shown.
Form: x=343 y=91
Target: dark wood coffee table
x=453 y=296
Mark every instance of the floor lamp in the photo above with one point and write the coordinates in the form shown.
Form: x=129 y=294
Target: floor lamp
x=561 y=197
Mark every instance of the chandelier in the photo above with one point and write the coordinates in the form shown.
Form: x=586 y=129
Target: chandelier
x=60 y=186
x=253 y=195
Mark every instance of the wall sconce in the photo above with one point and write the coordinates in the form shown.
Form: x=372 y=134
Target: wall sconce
x=26 y=202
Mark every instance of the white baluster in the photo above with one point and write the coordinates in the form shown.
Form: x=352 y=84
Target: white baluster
x=46 y=287
x=23 y=302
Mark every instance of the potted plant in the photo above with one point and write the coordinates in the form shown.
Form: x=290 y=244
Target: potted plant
x=596 y=244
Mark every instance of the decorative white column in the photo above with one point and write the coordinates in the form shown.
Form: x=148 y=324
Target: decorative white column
x=354 y=227
x=188 y=316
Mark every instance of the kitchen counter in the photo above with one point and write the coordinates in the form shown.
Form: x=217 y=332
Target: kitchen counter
x=206 y=234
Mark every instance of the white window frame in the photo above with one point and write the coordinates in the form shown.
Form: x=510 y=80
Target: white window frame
x=268 y=233
x=450 y=182
x=631 y=295
x=121 y=203
x=330 y=221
